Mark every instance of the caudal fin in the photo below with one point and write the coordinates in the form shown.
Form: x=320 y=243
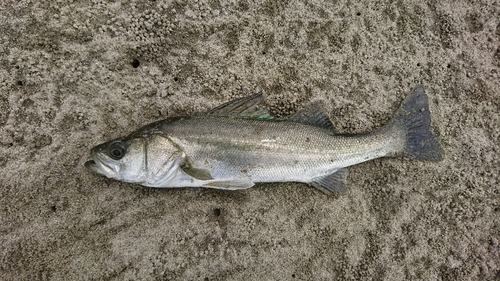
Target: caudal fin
x=415 y=117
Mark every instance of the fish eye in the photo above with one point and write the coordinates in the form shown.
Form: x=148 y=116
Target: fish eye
x=116 y=150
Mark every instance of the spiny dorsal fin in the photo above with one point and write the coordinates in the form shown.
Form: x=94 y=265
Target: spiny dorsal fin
x=244 y=107
x=312 y=115
x=332 y=182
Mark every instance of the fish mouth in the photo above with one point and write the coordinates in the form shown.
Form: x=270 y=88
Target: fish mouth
x=99 y=167
x=96 y=167
x=91 y=165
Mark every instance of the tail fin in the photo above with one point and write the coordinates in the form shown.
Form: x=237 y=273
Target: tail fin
x=415 y=117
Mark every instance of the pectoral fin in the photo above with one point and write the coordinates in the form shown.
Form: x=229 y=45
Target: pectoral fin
x=332 y=182
x=233 y=184
x=200 y=174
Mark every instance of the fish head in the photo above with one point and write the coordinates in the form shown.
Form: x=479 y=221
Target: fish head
x=122 y=159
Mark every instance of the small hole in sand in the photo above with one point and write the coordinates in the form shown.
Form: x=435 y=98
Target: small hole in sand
x=136 y=63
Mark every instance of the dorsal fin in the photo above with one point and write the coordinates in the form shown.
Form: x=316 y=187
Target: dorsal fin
x=313 y=115
x=244 y=107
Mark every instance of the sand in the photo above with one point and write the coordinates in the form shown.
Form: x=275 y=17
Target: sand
x=74 y=74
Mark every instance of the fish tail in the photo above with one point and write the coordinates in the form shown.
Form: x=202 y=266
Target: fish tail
x=415 y=118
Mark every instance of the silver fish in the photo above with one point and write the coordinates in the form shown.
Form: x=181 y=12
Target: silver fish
x=239 y=143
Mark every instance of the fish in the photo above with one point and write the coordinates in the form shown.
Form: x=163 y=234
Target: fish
x=239 y=143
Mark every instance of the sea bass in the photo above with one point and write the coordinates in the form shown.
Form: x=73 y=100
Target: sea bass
x=239 y=143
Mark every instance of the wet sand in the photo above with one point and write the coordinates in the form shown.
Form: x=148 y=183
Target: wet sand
x=74 y=74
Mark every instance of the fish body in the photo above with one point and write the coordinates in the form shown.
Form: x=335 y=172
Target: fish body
x=226 y=149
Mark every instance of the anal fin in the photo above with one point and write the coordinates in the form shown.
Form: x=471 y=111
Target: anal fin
x=330 y=183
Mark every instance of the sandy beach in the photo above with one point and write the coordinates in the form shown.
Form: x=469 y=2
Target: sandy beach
x=74 y=74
